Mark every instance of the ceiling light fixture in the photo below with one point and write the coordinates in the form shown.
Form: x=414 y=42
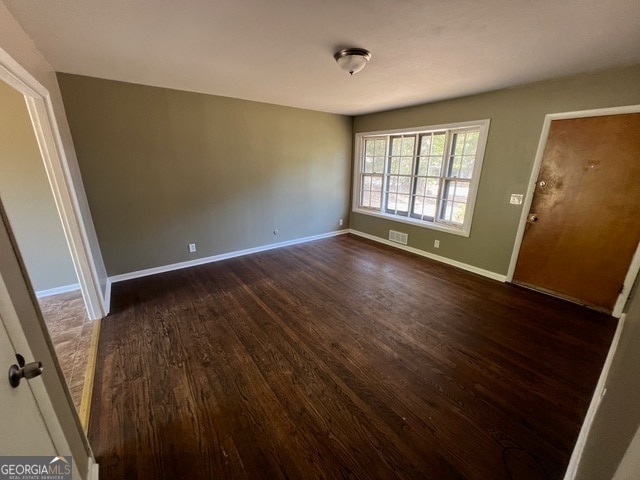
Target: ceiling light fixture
x=352 y=60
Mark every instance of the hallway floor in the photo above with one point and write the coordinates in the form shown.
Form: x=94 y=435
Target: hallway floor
x=70 y=331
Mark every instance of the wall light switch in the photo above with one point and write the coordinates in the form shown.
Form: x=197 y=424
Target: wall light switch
x=192 y=248
x=516 y=199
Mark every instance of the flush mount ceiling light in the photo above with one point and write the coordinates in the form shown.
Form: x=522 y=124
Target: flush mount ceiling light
x=352 y=60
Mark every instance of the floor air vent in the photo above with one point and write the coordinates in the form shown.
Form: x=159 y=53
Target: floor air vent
x=398 y=237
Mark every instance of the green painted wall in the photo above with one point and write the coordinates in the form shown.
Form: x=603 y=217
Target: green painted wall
x=163 y=168
x=28 y=200
x=517 y=117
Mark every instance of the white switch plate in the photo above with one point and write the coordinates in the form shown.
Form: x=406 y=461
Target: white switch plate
x=192 y=248
x=516 y=199
x=436 y=243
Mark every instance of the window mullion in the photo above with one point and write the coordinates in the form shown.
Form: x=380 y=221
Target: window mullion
x=414 y=176
x=443 y=174
x=385 y=175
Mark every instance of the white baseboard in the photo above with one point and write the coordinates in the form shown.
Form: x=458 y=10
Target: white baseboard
x=55 y=291
x=217 y=258
x=422 y=253
x=107 y=297
x=596 y=400
x=94 y=470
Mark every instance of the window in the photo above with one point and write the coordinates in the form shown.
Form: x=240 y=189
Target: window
x=426 y=176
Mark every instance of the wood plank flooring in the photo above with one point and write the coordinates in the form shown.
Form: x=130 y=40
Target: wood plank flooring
x=340 y=358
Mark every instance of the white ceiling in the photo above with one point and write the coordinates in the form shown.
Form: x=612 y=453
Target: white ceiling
x=281 y=51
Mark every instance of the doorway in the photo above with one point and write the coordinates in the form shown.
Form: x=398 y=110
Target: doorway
x=65 y=185
x=93 y=282
x=579 y=233
x=30 y=208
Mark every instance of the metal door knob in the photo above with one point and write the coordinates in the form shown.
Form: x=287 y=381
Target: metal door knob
x=532 y=218
x=22 y=370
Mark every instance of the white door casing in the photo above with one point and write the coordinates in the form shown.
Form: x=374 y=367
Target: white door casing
x=42 y=116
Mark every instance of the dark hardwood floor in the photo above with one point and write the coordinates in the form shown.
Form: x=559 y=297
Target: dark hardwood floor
x=340 y=358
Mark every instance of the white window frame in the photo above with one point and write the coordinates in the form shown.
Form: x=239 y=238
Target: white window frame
x=456 y=229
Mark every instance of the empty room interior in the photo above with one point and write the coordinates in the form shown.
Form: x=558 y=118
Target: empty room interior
x=297 y=240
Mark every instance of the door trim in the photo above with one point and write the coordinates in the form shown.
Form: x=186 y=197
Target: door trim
x=42 y=116
x=634 y=267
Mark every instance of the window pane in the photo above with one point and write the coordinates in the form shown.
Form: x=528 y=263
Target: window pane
x=438 y=144
x=435 y=166
x=471 y=142
x=449 y=190
x=368 y=164
x=429 y=207
x=451 y=210
x=457 y=144
x=396 y=146
x=423 y=166
x=462 y=192
x=406 y=166
x=421 y=185
x=403 y=203
x=391 y=201
x=466 y=168
x=392 y=184
x=454 y=167
x=433 y=185
x=458 y=212
x=404 y=185
x=376 y=198
x=371 y=191
x=378 y=165
x=394 y=167
x=366 y=198
x=455 y=191
x=417 y=205
x=369 y=147
x=445 y=211
x=381 y=147
x=425 y=144
x=408 y=144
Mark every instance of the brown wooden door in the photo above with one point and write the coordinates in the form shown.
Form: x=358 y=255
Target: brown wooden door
x=585 y=217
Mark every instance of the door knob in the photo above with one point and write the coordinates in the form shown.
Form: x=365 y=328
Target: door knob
x=23 y=370
x=532 y=218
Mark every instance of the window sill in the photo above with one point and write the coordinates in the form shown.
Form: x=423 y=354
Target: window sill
x=462 y=231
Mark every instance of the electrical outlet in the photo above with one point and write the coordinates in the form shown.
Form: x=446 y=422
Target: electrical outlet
x=516 y=199
x=340 y=222
x=436 y=243
x=192 y=248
